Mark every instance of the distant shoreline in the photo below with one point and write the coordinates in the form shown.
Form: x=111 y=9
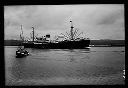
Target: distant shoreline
x=89 y=45
x=106 y=45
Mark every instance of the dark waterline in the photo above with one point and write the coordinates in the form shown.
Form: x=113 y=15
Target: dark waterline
x=94 y=66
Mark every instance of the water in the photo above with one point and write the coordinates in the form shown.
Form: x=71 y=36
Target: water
x=94 y=66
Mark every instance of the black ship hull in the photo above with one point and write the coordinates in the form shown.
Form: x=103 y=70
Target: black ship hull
x=60 y=45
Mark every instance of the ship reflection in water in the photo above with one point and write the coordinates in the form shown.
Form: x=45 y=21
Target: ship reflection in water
x=95 y=66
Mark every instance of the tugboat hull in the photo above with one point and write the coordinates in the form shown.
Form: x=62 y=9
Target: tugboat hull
x=21 y=54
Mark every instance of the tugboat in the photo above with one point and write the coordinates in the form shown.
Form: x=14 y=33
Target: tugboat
x=21 y=51
x=72 y=41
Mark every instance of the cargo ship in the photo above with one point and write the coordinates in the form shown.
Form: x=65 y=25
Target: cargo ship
x=70 y=41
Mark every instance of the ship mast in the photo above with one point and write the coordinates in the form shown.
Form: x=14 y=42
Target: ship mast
x=71 y=31
x=22 y=38
x=33 y=33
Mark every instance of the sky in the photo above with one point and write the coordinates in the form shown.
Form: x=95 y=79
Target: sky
x=96 y=21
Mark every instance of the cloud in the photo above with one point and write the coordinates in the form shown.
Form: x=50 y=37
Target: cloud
x=95 y=20
x=111 y=18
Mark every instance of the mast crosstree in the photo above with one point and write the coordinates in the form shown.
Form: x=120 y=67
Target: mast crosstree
x=73 y=34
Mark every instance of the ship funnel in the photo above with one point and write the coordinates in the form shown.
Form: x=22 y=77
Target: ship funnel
x=47 y=35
